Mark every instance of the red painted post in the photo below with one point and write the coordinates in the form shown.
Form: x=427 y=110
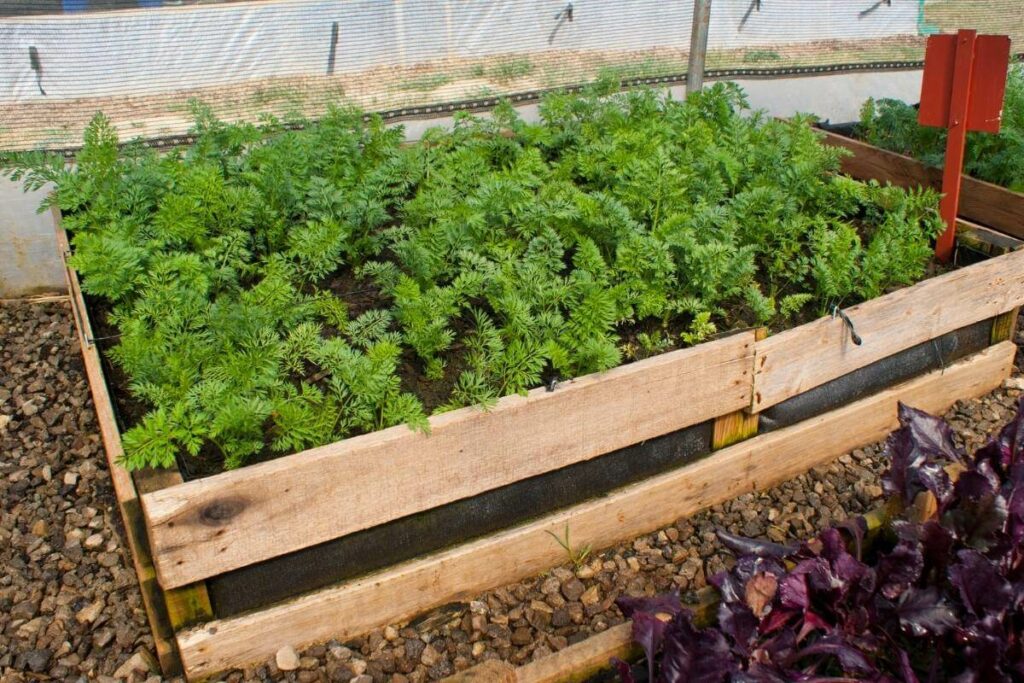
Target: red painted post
x=956 y=140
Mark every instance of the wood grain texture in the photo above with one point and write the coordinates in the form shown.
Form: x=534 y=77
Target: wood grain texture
x=210 y=526
x=987 y=240
x=805 y=357
x=398 y=593
x=579 y=662
x=1005 y=326
x=490 y=671
x=981 y=202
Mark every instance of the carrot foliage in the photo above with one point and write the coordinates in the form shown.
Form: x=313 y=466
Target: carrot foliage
x=277 y=289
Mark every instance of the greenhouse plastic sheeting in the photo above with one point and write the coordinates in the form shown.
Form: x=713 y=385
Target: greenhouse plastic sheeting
x=141 y=64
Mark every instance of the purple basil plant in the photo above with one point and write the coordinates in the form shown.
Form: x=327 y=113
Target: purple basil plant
x=936 y=600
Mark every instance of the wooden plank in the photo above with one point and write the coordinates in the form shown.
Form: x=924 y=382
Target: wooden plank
x=210 y=526
x=805 y=357
x=491 y=671
x=993 y=206
x=581 y=661
x=461 y=573
x=1004 y=326
x=981 y=202
x=124 y=489
x=152 y=598
x=987 y=240
x=124 y=486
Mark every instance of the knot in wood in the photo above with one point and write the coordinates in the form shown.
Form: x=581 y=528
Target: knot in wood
x=219 y=512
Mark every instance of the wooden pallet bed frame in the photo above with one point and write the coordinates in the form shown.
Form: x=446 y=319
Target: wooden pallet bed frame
x=185 y=534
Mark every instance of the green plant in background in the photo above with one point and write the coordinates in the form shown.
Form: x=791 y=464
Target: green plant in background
x=998 y=159
x=577 y=556
x=426 y=83
x=276 y=289
x=646 y=68
x=510 y=69
x=757 y=56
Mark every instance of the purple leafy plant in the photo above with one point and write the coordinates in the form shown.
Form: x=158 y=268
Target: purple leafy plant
x=939 y=599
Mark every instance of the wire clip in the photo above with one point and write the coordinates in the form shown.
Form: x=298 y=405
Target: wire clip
x=854 y=337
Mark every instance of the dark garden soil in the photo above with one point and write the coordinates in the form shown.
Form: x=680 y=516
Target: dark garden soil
x=70 y=609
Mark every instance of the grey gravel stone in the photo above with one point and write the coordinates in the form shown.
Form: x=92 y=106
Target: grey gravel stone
x=63 y=615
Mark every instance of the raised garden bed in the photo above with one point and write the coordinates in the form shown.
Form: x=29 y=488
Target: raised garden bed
x=319 y=521
x=994 y=158
x=982 y=204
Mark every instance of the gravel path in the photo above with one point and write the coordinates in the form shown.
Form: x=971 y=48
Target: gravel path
x=70 y=609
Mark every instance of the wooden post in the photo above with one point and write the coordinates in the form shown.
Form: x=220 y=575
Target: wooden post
x=698 y=45
x=187 y=605
x=956 y=141
x=740 y=425
x=962 y=89
x=1004 y=326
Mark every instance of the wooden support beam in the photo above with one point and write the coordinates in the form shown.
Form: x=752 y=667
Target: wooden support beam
x=799 y=359
x=985 y=240
x=491 y=671
x=1005 y=326
x=210 y=526
x=400 y=592
x=733 y=428
x=740 y=425
x=580 y=662
x=188 y=605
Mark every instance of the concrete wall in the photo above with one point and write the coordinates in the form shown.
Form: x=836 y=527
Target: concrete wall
x=157 y=50
x=29 y=262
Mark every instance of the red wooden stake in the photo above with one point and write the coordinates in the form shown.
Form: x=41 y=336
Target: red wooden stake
x=956 y=141
x=962 y=89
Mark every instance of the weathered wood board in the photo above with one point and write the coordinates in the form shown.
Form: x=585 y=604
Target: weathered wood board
x=124 y=487
x=213 y=525
x=358 y=606
x=791 y=362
